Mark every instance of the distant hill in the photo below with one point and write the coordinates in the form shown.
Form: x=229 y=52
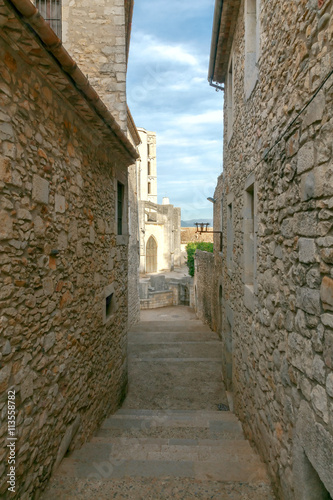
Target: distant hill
x=191 y=223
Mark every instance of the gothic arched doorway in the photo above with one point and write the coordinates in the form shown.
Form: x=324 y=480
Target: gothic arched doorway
x=151 y=255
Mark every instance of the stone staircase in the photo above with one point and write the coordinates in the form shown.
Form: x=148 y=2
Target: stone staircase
x=169 y=441
x=164 y=454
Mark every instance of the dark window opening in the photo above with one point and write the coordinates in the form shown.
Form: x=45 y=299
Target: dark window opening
x=120 y=208
x=108 y=305
x=149 y=188
x=149 y=168
x=51 y=11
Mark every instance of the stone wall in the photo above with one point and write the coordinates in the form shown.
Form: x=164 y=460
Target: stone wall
x=133 y=249
x=277 y=324
x=204 y=289
x=163 y=223
x=63 y=350
x=158 y=299
x=94 y=33
x=159 y=291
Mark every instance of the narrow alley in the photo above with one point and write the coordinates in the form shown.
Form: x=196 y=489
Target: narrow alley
x=169 y=439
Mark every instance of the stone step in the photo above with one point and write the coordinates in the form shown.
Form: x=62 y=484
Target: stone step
x=183 y=351
x=69 y=488
x=232 y=461
x=172 y=425
x=171 y=338
x=178 y=326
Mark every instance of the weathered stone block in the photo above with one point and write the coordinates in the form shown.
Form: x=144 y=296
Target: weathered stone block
x=327 y=320
x=313 y=278
x=23 y=214
x=326 y=293
x=39 y=227
x=308 y=300
x=49 y=341
x=315 y=111
x=327 y=255
x=287 y=228
x=27 y=387
x=4 y=377
x=5 y=170
x=329 y=384
x=60 y=203
x=307 y=250
x=317 y=183
x=6 y=226
x=300 y=353
x=305 y=158
x=319 y=369
x=319 y=402
x=48 y=286
x=40 y=189
x=305 y=224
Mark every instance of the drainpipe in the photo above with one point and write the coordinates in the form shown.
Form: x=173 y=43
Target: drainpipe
x=214 y=45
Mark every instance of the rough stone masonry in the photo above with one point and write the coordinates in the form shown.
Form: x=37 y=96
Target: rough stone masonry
x=62 y=344
x=274 y=276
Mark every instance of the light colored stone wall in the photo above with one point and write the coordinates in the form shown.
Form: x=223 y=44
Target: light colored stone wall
x=279 y=338
x=204 y=288
x=166 y=230
x=59 y=257
x=158 y=299
x=94 y=34
x=147 y=151
x=133 y=248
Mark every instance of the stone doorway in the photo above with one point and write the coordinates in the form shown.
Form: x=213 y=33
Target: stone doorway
x=151 y=255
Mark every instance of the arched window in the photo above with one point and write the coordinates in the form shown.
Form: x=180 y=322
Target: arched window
x=151 y=255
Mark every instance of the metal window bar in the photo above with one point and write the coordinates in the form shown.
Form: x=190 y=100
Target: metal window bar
x=51 y=11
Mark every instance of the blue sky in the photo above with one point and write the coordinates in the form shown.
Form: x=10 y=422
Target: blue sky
x=168 y=92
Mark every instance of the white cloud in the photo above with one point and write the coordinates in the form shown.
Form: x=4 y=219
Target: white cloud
x=168 y=92
x=148 y=48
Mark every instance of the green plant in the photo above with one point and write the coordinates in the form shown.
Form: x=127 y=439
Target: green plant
x=191 y=249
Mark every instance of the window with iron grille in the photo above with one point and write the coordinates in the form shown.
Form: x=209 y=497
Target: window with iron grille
x=51 y=11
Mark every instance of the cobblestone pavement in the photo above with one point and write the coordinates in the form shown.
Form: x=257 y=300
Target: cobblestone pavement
x=168 y=441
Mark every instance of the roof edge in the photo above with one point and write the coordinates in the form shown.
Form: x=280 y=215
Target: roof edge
x=224 y=24
x=53 y=45
x=215 y=38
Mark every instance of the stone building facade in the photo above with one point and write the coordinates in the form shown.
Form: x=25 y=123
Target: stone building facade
x=159 y=236
x=97 y=35
x=133 y=229
x=63 y=250
x=147 y=168
x=159 y=225
x=273 y=299
x=94 y=34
